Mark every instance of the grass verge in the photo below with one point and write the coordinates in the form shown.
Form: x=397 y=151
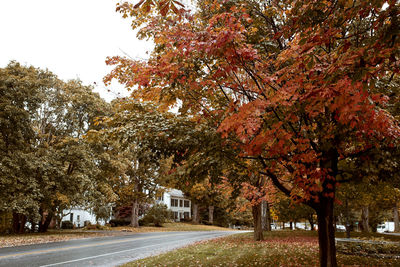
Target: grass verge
x=50 y=236
x=371 y=236
x=280 y=248
x=64 y=235
x=170 y=227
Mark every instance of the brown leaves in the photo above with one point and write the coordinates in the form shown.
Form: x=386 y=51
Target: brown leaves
x=163 y=6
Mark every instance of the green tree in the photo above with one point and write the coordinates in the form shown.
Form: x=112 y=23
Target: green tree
x=46 y=165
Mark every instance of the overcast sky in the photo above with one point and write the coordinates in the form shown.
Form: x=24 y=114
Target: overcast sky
x=72 y=38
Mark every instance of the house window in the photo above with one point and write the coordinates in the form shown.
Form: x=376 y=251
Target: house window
x=187 y=205
x=78 y=217
x=174 y=202
x=71 y=217
x=186 y=215
x=181 y=203
x=175 y=215
x=181 y=215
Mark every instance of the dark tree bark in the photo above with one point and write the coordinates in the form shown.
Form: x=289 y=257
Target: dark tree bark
x=323 y=205
x=311 y=221
x=256 y=210
x=365 y=219
x=19 y=221
x=33 y=227
x=326 y=233
x=211 y=214
x=45 y=221
x=135 y=214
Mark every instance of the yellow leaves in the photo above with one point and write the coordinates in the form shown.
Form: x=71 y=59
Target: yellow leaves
x=62 y=198
x=347 y=3
x=253 y=29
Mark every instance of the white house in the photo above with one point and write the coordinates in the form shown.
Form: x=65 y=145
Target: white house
x=176 y=201
x=79 y=216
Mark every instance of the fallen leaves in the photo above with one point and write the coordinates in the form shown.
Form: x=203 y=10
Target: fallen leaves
x=55 y=236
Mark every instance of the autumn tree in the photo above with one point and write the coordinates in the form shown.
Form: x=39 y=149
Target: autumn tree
x=47 y=166
x=291 y=83
x=20 y=93
x=137 y=139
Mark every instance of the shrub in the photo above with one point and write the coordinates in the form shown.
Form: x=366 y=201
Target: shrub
x=118 y=222
x=157 y=215
x=186 y=220
x=145 y=221
x=67 y=225
x=91 y=226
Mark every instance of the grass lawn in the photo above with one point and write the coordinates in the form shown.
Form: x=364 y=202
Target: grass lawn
x=371 y=236
x=280 y=248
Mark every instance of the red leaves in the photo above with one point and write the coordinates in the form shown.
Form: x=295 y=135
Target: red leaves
x=287 y=103
x=138 y=4
x=164 y=7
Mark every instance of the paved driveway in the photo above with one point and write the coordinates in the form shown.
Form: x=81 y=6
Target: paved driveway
x=103 y=251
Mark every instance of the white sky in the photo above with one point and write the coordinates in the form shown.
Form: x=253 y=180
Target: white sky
x=71 y=38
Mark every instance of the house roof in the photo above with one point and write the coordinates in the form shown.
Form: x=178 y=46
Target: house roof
x=175 y=192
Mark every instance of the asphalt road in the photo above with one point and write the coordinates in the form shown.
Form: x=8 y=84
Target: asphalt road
x=103 y=251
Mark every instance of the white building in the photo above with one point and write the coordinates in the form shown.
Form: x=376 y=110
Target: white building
x=385 y=227
x=176 y=201
x=79 y=216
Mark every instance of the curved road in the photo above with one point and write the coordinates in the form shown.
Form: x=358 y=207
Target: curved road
x=103 y=251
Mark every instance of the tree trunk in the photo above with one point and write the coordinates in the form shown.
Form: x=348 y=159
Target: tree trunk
x=347 y=218
x=19 y=221
x=311 y=221
x=211 y=214
x=291 y=225
x=135 y=214
x=45 y=221
x=365 y=219
x=268 y=217
x=196 y=215
x=263 y=215
x=396 y=218
x=326 y=233
x=258 y=234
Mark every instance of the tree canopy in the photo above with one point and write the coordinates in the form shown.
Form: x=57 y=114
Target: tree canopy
x=46 y=166
x=297 y=86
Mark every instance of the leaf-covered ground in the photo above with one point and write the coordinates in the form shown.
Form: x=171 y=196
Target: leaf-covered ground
x=64 y=235
x=51 y=236
x=172 y=227
x=280 y=248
